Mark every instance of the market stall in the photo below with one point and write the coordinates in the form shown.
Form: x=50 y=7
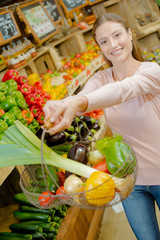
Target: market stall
x=52 y=59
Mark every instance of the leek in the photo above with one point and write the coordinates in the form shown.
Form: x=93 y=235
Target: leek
x=20 y=146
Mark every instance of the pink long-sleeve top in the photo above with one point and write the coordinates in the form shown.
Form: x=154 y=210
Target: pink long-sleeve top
x=132 y=109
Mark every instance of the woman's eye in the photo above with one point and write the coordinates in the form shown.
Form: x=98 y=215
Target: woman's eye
x=103 y=42
x=117 y=35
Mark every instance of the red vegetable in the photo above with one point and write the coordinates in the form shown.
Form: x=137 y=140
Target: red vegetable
x=40 y=103
x=25 y=89
x=35 y=110
x=40 y=118
x=30 y=99
x=2 y=112
x=46 y=198
x=61 y=191
x=21 y=80
x=61 y=176
x=102 y=166
x=10 y=74
x=38 y=87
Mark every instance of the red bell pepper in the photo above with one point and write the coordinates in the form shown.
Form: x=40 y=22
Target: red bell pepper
x=40 y=104
x=35 y=110
x=61 y=176
x=10 y=74
x=30 y=99
x=25 y=89
x=28 y=116
x=21 y=80
x=37 y=87
x=102 y=166
x=40 y=118
x=46 y=96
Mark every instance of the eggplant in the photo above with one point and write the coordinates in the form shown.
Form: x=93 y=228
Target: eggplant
x=57 y=138
x=95 y=126
x=73 y=137
x=88 y=120
x=75 y=122
x=78 y=153
x=39 y=133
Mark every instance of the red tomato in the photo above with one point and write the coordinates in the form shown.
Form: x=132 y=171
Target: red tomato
x=46 y=198
x=61 y=191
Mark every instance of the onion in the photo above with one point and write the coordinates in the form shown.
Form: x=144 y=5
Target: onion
x=95 y=157
x=73 y=184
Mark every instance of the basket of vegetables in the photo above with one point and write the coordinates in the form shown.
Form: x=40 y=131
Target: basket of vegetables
x=85 y=185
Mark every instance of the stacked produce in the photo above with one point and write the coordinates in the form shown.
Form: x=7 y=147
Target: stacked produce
x=34 y=223
x=21 y=101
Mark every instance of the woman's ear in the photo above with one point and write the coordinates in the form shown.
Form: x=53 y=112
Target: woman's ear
x=130 y=33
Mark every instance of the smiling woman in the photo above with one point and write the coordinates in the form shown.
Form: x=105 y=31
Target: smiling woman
x=129 y=94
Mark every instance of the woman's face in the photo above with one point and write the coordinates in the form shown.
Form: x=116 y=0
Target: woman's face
x=114 y=41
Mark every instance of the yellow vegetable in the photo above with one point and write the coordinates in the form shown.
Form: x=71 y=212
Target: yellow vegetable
x=33 y=78
x=100 y=188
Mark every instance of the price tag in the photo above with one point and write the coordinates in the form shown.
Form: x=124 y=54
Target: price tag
x=52 y=8
x=73 y=5
x=8 y=27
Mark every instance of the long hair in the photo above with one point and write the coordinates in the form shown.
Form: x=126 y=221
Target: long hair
x=118 y=19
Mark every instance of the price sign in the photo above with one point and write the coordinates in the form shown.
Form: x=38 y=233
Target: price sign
x=73 y=5
x=91 y=2
x=52 y=8
x=38 y=20
x=8 y=27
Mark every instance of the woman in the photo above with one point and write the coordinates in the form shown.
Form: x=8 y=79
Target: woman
x=129 y=93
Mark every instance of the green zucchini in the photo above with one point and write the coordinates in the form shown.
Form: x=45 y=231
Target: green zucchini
x=51 y=236
x=47 y=227
x=24 y=208
x=22 y=199
x=27 y=216
x=39 y=236
x=14 y=236
x=22 y=227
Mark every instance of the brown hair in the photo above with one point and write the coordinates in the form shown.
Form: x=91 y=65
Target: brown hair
x=116 y=18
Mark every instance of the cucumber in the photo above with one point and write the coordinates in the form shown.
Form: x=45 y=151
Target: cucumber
x=22 y=227
x=51 y=236
x=47 y=227
x=22 y=199
x=26 y=216
x=14 y=236
x=39 y=236
x=24 y=208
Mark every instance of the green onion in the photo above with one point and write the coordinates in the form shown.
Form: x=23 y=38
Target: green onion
x=23 y=147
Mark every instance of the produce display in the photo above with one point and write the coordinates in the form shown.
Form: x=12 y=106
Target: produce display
x=34 y=223
x=21 y=101
x=70 y=178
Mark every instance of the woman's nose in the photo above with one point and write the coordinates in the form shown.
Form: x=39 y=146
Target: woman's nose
x=113 y=43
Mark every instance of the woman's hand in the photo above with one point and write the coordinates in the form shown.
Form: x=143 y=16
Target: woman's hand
x=61 y=112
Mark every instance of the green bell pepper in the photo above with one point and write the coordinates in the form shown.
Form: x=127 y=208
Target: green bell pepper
x=119 y=158
x=16 y=112
x=21 y=103
x=34 y=126
x=10 y=118
x=3 y=126
x=8 y=103
x=15 y=93
x=2 y=96
x=3 y=87
x=11 y=83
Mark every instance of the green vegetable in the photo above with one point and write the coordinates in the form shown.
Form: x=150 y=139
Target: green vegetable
x=11 y=83
x=22 y=227
x=26 y=216
x=8 y=103
x=22 y=199
x=10 y=118
x=21 y=103
x=3 y=125
x=39 y=236
x=2 y=96
x=16 y=112
x=14 y=236
x=51 y=236
x=16 y=94
x=119 y=158
x=3 y=87
x=47 y=227
x=30 y=209
x=28 y=144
